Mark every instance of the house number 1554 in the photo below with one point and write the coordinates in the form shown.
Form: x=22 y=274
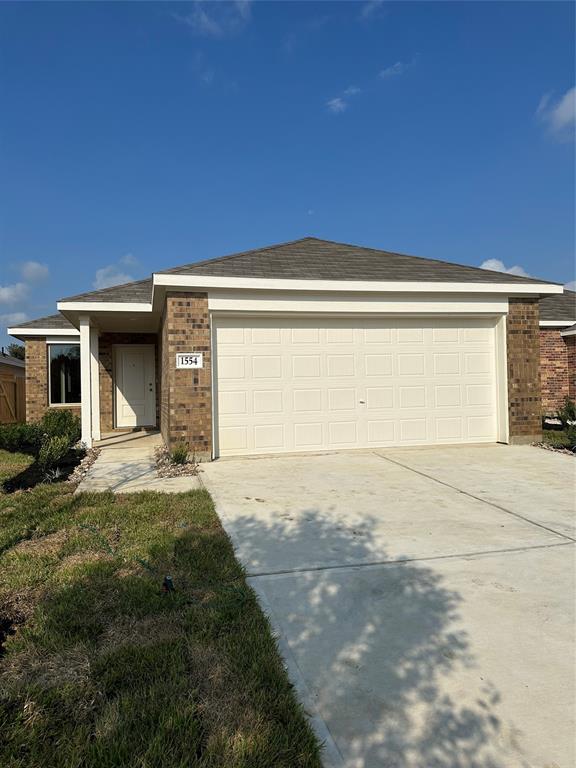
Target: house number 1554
x=189 y=360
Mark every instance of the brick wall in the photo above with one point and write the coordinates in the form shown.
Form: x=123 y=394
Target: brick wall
x=523 y=346
x=37 y=380
x=106 y=342
x=570 y=342
x=553 y=369
x=186 y=394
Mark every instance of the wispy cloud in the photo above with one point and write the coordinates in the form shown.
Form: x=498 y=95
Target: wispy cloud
x=33 y=271
x=397 y=69
x=559 y=114
x=12 y=294
x=495 y=265
x=370 y=9
x=13 y=318
x=217 y=20
x=116 y=274
x=339 y=104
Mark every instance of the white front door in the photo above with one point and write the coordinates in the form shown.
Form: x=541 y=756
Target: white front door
x=135 y=386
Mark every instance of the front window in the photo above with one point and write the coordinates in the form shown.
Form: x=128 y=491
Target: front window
x=64 y=373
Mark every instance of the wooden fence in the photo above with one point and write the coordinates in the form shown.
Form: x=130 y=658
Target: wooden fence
x=12 y=398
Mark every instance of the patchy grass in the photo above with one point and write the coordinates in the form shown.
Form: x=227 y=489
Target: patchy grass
x=103 y=669
x=559 y=438
x=12 y=464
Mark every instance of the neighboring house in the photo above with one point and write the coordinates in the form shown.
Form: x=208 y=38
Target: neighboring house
x=304 y=346
x=557 y=350
x=12 y=389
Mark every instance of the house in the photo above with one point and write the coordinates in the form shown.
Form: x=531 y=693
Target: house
x=12 y=389
x=557 y=350
x=304 y=346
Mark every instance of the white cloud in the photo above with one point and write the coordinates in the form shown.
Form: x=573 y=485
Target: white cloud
x=11 y=294
x=559 y=114
x=115 y=274
x=392 y=71
x=571 y=286
x=217 y=19
x=13 y=318
x=33 y=271
x=495 y=265
x=371 y=8
x=337 y=105
x=352 y=90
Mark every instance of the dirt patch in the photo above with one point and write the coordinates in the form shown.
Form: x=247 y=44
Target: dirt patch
x=50 y=544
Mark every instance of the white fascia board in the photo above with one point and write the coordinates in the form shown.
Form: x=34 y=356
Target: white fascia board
x=42 y=332
x=287 y=301
x=103 y=306
x=362 y=286
x=556 y=323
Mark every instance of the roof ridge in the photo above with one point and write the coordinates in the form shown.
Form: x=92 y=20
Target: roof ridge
x=238 y=254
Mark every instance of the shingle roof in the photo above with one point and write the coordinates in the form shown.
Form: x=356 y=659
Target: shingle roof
x=52 y=321
x=138 y=291
x=314 y=259
x=561 y=306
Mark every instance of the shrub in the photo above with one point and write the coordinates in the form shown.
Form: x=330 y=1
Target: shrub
x=25 y=438
x=60 y=422
x=179 y=454
x=52 y=451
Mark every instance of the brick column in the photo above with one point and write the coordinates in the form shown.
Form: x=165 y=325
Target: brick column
x=36 y=378
x=553 y=369
x=523 y=349
x=186 y=394
x=570 y=342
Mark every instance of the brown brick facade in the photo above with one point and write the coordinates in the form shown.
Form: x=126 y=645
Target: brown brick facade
x=106 y=342
x=554 y=369
x=37 y=380
x=186 y=395
x=523 y=345
x=570 y=342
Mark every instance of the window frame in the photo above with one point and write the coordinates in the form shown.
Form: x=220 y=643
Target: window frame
x=64 y=342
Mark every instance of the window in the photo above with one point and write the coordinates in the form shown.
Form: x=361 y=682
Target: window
x=64 y=362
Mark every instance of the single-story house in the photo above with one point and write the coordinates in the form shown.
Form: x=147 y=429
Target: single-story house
x=557 y=350
x=304 y=346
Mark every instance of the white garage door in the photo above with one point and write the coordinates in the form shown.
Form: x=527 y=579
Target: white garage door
x=304 y=384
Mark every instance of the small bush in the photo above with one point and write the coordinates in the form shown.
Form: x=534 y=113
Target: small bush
x=23 y=438
x=60 y=422
x=52 y=451
x=179 y=454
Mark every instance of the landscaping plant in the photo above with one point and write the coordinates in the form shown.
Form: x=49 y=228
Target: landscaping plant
x=179 y=453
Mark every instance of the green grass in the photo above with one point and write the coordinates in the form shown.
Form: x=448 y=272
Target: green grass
x=105 y=670
x=12 y=463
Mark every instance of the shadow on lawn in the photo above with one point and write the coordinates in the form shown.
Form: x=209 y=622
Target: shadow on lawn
x=378 y=646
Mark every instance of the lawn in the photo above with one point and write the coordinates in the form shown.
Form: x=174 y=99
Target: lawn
x=559 y=438
x=102 y=668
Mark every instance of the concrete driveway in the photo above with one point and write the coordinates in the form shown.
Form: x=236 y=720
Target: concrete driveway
x=424 y=598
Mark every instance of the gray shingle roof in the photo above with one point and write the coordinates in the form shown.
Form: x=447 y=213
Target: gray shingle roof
x=561 y=306
x=138 y=291
x=52 y=321
x=314 y=259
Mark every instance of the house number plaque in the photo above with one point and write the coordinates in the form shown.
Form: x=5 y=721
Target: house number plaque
x=189 y=360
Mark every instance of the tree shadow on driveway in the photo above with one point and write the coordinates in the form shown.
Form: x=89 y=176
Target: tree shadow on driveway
x=380 y=650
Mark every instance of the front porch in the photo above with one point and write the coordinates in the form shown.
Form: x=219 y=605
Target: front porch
x=119 y=382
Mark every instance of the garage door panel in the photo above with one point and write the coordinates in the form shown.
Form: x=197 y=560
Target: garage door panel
x=306 y=384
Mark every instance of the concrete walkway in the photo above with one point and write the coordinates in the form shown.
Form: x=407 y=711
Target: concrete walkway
x=126 y=464
x=423 y=598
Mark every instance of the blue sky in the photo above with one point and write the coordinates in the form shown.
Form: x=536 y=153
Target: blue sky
x=138 y=136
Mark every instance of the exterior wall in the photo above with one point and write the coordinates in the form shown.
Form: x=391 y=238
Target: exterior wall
x=186 y=395
x=106 y=342
x=553 y=369
x=523 y=349
x=570 y=342
x=37 y=380
x=12 y=370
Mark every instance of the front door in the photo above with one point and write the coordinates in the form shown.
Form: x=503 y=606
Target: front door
x=135 y=386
